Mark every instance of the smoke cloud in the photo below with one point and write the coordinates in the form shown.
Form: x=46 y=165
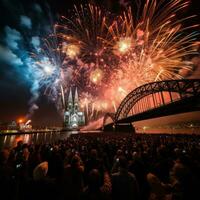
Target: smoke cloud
x=7 y=56
x=37 y=8
x=25 y=21
x=13 y=37
x=35 y=41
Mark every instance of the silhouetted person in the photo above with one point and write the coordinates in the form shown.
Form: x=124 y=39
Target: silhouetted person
x=124 y=183
x=95 y=189
x=183 y=187
x=73 y=179
x=6 y=176
x=42 y=187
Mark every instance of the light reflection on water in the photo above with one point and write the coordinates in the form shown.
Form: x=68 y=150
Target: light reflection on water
x=10 y=141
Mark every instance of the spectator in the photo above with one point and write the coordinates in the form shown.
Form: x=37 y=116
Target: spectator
x=73 y=179
x=124 y=183
x=96 y=191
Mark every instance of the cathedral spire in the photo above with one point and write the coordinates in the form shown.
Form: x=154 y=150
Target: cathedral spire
x=70 y=101
x=70 y=96
x=76 y=101
x=73 y=117
x=76 y=96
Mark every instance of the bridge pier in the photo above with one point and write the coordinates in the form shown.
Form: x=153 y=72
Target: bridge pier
x=108 y=128
x=122 y=127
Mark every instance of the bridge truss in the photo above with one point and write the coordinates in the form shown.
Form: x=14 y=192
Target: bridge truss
x=154 y=95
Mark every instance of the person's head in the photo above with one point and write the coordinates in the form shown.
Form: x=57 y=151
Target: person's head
x=75 y=161
x=179 y=171
x=94 y=179
x=123 y=163
x=56 y=148
x=40 y=171
x=119 y=153
x=135 y=155
x=19 y=144
x=25 y=153
x=4 y=155
x=93 y=153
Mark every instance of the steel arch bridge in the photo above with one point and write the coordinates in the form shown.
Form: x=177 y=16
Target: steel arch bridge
x=154 y=95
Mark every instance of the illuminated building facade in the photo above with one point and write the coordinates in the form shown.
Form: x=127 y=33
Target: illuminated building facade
x=73 y=117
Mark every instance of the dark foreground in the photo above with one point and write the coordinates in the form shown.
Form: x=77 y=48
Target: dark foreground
x=102 y=166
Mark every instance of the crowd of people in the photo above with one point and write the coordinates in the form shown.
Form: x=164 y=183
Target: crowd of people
x=103 y=167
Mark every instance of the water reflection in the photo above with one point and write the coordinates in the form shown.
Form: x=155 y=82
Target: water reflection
x=10 y=141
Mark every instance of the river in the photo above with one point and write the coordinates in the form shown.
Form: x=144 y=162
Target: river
x=10 y=141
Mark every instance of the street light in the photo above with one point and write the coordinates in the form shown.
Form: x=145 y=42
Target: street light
x=20 y=120
x=192 y=127
x=144 y=129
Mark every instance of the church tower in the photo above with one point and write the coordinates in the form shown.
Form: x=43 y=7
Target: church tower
x=70 y=101
x=76 y=106
x=73 y=117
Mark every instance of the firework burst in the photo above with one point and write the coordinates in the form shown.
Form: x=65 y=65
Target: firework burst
x=86 y=29
x=150 y=48
x=107 y=56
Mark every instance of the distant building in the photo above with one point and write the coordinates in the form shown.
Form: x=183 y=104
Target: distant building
x=73 y=117
x=9 y=125
x=25 y=126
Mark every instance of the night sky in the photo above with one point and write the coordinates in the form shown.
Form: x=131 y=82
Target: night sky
x=15 y=90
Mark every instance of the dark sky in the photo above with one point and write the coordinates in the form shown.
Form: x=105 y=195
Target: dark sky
x=15 y=92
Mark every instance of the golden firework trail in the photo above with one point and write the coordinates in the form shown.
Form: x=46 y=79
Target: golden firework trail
x=112 y=55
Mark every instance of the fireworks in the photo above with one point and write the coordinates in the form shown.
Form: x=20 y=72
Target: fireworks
x=151 y=48
x=123 y=45
x=71 y=50
x=46 y=67
x=96 y=76
x=108 y=56
x=86 y=28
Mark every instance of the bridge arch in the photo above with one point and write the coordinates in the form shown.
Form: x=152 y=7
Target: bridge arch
x=182 y=88
x=108 y=118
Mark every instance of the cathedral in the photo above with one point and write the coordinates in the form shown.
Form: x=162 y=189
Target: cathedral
x=73 y=117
